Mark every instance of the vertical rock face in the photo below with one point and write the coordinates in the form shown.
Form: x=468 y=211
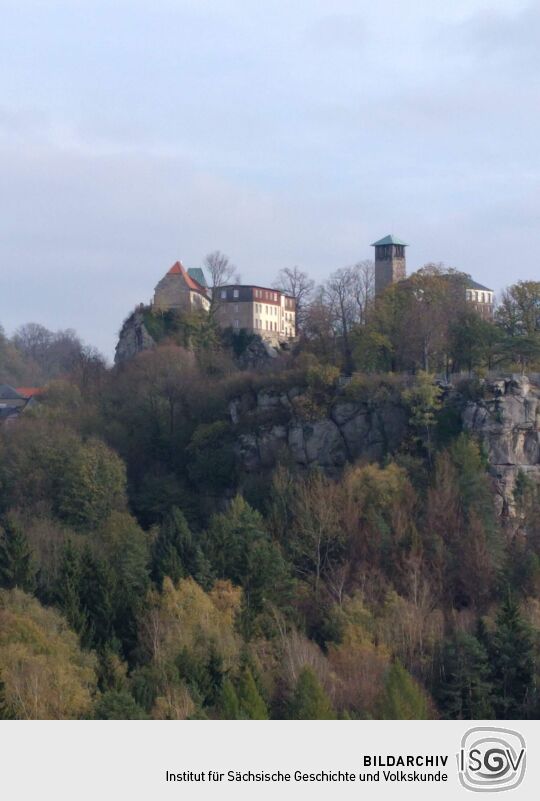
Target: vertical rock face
x=133 y=338
x=349 y=431
x=507 y=421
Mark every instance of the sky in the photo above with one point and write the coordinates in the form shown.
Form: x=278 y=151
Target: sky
x=133 y=134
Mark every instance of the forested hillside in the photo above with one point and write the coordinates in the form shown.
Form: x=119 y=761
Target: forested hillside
x=148 y=569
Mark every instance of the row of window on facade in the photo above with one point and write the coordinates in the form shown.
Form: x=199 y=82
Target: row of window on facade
x=271 y=325
x=259 y=293
x=273 y=309
x=265 y=294
x=479 y=297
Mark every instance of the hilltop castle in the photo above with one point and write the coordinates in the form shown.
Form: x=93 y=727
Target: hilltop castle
x=182 y=290
x=256 y=309
x=391 y=267
x=272 y=314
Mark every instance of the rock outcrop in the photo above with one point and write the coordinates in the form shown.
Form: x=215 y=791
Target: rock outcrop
x=258 y=355
x=507 y=421
x=133 y=337
x=348 y=431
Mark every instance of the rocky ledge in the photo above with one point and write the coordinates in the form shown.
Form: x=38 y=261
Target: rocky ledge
x=507 y=421
x=349 y=431
x=134 y=337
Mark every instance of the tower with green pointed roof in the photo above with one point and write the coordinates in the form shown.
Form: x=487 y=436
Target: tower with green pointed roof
x=390 y=265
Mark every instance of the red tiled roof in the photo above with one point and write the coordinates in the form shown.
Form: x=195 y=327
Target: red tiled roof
x=29 y=392
x=179 y=269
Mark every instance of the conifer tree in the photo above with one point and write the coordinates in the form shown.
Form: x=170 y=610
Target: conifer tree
x=229 y=705
x=309 y=701
x=118 y=705
x=240 y=549
x=512 y=663
x=96 y=593
x=175 y=553
x=16 y=564
x=402 y=697
x=465 y=690
x=67 y=591
x=252 y=705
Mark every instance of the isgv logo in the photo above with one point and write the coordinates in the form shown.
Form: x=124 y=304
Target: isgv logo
x=491 y=759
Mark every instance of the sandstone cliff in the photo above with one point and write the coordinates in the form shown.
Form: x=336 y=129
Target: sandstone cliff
x=507 y=421
x=349 y=430
x=133 y=338
x=505 y=417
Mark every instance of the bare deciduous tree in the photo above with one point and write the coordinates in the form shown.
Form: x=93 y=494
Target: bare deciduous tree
x=294 y=281
x=339 y=296
x=363 y=287
x=220 y=271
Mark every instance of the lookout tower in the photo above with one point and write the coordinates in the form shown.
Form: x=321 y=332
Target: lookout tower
x=390 y=265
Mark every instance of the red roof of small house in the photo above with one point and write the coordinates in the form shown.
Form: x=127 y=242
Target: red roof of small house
x=30 y=392
x=179 y=269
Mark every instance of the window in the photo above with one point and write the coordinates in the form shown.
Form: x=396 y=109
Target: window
x=266 y=309
x=235 y=293
x=223 y=294
x=275 y=296
x=237 y=323
x=236 y=307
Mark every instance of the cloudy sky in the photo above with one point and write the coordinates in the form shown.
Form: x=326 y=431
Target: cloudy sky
x=134 y=133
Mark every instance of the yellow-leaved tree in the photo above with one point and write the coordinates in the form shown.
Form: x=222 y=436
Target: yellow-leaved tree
x=45 y=673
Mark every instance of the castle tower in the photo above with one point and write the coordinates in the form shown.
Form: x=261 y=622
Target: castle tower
x=390 y=265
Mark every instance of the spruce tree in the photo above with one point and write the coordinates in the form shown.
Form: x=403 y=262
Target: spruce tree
x=465 y=691
x=229 y=705
x=67 y=590
x=309 y=700
x=96 y=594
x=252 y=705
x=512 y=663
x=16 y=564
x=175 y=553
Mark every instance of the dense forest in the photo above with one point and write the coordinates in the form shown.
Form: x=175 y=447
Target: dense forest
x=146 y=572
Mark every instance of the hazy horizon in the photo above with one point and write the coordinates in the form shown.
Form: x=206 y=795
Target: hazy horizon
x=135 y=134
